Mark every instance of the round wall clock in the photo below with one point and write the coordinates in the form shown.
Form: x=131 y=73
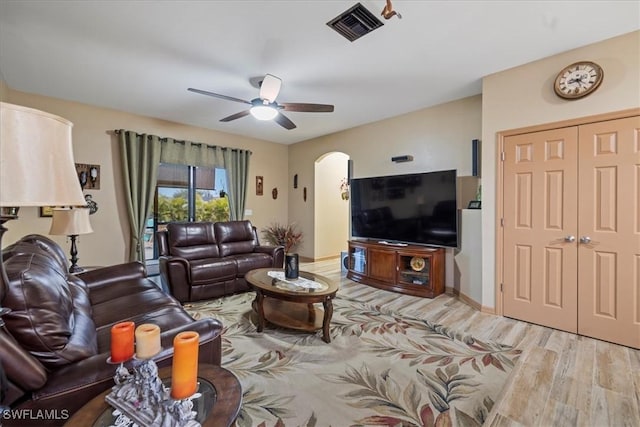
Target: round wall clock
x=578 y=80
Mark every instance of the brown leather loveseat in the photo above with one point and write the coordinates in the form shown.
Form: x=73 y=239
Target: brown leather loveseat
x=202 y=260
x=56 y=342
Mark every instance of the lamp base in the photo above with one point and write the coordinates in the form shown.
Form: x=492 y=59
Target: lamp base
x=74 y=255
x=75 y=269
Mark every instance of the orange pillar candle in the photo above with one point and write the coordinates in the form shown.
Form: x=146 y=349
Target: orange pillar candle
x=147 y=341
x=122 y=342
x=185 y=365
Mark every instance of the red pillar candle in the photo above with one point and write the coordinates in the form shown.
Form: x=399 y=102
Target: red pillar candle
x=185 y=365
x=122 y=342
x=147 y=341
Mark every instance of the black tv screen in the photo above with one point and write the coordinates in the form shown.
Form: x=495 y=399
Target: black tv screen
x=416 y=208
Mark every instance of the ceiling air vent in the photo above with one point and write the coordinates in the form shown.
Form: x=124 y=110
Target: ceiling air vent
x=355 y=22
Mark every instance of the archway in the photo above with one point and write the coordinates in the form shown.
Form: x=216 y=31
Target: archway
x=331 y=209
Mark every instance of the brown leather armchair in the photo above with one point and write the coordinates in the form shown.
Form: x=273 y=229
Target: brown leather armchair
x=202 y=260
x=57 y=338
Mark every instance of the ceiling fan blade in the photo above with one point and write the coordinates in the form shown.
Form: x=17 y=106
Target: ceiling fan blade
x=284 y=121
x=217 y=95
x=270 y=87
x=308 y=108
x=235 y=116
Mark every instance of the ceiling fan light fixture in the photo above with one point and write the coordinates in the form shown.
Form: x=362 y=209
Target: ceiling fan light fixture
x=263 y=112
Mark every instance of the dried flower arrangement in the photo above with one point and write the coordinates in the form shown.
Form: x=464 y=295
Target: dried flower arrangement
x=282 y=235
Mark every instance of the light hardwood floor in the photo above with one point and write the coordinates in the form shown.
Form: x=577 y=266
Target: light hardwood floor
x=561 y=379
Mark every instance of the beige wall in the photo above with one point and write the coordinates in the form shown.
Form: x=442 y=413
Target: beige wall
x=438 y=138
x=524 y=96
x=94 y=143
x=4 y=91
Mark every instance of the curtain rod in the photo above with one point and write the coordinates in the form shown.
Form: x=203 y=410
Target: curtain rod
x=180 y=141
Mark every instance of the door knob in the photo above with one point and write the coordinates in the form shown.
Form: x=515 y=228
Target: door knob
x=585 y=239
x=570 y=239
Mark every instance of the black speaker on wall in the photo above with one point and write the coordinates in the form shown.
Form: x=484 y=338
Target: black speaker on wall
x=475 y=157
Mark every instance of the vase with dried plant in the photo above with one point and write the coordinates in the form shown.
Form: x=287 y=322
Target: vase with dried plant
x=283 y=235
x=289 y=237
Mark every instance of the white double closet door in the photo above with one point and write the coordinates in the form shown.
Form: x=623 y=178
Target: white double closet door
x=571 y=229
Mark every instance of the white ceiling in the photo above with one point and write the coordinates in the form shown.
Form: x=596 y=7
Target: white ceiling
x=141 y=56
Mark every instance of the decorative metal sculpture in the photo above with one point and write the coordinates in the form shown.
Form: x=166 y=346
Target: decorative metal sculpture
x=91 y=204
x=140 y=397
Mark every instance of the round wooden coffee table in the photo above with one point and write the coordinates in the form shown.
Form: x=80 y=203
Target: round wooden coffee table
x=290 y=303
x=221 y=400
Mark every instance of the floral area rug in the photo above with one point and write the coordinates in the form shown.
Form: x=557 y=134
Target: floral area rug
x=383 y=367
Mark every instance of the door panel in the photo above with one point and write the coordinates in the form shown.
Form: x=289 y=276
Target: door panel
x=540 y=211
x=382 y=265
x=609 y=194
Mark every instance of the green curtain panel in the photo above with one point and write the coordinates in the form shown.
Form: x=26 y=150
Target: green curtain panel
x=191 y=153
x=140 y=156
x=236 y=163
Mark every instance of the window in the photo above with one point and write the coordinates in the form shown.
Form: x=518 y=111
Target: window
x=186 y=193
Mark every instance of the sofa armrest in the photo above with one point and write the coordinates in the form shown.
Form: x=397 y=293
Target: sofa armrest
x=20 y=366
x=176 y=273
x=210 y=341
x=276 y=252
x=113 y=274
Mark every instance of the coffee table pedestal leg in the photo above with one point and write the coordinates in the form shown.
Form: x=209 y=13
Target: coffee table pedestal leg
x=326 y=323
x=260 y=310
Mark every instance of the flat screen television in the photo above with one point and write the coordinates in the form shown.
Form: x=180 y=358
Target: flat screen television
x=418 y=208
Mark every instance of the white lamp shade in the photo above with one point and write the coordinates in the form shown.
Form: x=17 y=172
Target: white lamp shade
x=36 y=159
x=70 y=222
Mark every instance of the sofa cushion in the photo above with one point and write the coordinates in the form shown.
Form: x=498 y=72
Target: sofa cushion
x=125 y=306
x=165 y=317
x=44 y=244
x=251 y=261
x=193 y=240
x=125 y=287
x=51 y=313
x=212 y=270
x=235 y=237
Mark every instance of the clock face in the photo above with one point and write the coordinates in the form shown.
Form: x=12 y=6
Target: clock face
x=578 y=80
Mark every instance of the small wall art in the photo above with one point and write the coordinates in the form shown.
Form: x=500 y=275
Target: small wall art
x=304 y=194
x=46 y=211
x=88 y=175
x=91 y=204
x=295 y=181
x=274 y=193
x=259 y=186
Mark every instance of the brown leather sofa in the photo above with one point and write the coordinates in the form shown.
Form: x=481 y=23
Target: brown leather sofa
x=56 y=342
x=202 y=260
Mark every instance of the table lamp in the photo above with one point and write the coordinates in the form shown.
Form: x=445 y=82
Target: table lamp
x=36 y=167
x=71 y=222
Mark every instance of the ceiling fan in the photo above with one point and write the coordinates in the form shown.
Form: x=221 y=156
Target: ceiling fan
x=265 y=106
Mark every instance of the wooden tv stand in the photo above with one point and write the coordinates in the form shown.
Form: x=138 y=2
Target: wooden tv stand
x=408 y=269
